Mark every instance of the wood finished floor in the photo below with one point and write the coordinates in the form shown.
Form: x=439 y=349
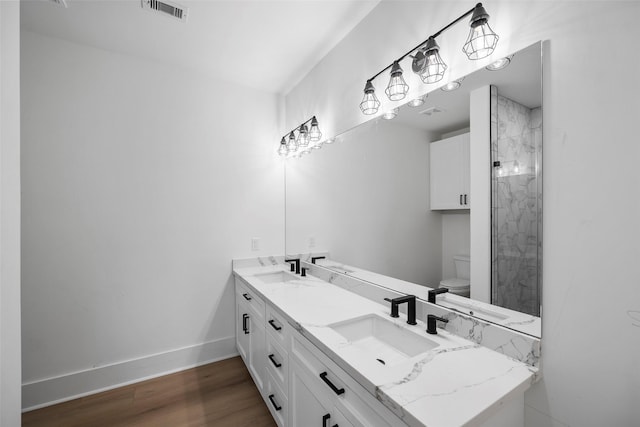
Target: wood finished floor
x=220 y=394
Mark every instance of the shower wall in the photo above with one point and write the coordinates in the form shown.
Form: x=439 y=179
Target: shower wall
x=516 y=204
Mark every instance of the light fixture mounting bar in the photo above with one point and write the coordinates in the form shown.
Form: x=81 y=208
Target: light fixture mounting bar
x=295 y=129
x=442 y=30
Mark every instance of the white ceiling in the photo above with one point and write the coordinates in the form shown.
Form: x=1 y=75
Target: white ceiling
x=263 y=44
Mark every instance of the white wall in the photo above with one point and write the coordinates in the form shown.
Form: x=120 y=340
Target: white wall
x=10 y=398
x=367 y=204
x=591 y=297
x=141 y=181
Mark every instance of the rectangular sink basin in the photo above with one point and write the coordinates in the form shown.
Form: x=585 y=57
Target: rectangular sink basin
x=383 y=340
x=277 y=277
x=472 y=309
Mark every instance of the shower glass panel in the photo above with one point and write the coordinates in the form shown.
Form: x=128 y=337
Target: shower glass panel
x=516 y=204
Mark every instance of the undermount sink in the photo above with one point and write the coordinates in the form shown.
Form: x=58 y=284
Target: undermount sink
x=277 y=277
x=382 y=339
x=472 y=309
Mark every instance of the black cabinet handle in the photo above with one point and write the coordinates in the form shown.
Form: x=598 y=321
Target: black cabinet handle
x=273 y=402
x=461 y=199
x=465 y=199
x=335 y=389
x=276 y=364
x=325 y=418
x=274 y=326
x=245 y=328
x=247 y=297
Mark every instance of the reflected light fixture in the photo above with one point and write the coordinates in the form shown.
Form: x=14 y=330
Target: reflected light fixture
x=416 y=102
x=482 y=40
x=452 y=85
x=391 y=114
x=397 y=88
x=296 y=142
x=370 y=102
x=282 y=150
x=500 y=63
x=428 y=63
x=314 y=132
x=330 y=141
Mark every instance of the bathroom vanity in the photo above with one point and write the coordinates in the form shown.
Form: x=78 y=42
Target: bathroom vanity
x=324 y=355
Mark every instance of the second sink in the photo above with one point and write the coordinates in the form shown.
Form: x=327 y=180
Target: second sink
x=382 y=339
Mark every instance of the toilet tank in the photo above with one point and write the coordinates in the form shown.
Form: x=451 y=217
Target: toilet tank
x=463 y=266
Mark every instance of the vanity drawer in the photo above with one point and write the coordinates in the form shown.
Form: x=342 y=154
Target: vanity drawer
x=277 y=327
x=278 y=363
x=277 y=401
x=349 y=396
x=251 y=298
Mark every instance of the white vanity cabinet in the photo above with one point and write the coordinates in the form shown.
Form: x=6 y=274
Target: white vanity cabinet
x=449 y=173
x=250 y=332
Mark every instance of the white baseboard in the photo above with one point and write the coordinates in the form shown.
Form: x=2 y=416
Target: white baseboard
x=41 y=393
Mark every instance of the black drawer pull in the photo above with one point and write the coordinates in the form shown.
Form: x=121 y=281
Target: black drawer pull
x=274 y=326
x=245 y=327
x=326 y=418
x=247 y=297
x=273 y=402
x=335 y=389
x=465 y=199
x=276 y=364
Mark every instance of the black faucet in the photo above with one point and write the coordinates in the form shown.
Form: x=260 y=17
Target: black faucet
x=314 y=258
x=297 y=264
x=434 y=292
x=431 y=323
x=411 y=307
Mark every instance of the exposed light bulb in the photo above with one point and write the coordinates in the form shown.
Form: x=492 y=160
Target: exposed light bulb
x=482 y=40
x=428 y=64
x=291 y=145
x=370 y=102
x=282 y=150
x=303 y=136
x=499 y=64
x=417 y=101
x=391 y=114
x=397 y=88
x=314 y=132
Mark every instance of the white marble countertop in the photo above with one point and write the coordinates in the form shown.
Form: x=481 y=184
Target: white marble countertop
x=521 y=322
x=458 y=383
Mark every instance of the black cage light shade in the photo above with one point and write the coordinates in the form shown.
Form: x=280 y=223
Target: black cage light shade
x=428 y=64
x=397 y=88
x=370 y=102
x=482 y=39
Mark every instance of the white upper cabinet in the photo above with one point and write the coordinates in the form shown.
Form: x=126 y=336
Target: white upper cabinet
x=449 y=173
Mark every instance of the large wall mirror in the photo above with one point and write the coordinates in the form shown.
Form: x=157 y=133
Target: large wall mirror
x=393 y=197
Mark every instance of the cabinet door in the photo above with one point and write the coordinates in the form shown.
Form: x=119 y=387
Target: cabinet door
x=258 y=352
x=449 y=173
x=310 y=405
x=242 y=331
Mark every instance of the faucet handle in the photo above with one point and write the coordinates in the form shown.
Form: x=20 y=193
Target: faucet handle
x=394 y=307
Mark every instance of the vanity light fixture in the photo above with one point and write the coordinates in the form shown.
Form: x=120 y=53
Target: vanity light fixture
x=428 y=63
x=397 y=88
x=296 y=142
x=416 y=102
x=370 y=102
x=482 y=40
x=314 y=132
x=391 y=114
x=500 y=63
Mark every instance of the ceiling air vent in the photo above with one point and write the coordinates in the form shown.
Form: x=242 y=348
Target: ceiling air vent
x=431 y=111
x=168 y=9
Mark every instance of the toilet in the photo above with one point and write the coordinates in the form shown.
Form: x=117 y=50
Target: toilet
x=460 y=285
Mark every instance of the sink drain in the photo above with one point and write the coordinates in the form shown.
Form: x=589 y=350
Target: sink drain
x=381 y=361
